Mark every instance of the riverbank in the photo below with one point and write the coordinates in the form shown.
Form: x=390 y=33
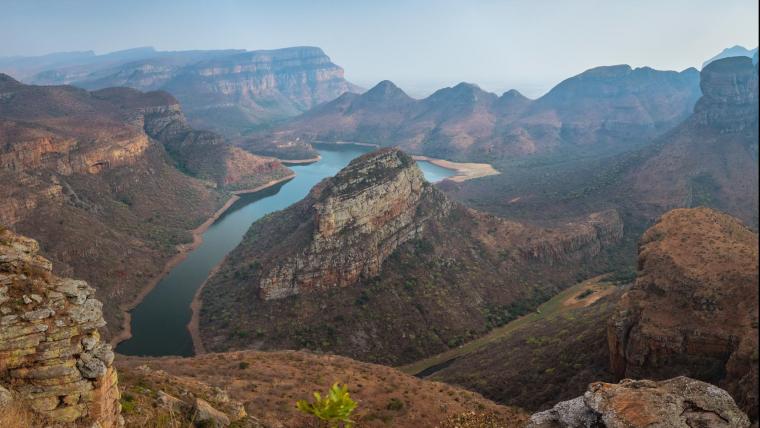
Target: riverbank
x=465 y=170
x=182 y=251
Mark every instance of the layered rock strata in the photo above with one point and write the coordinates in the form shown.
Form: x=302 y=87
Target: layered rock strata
x=694 y=307
x=359 y=218
x=51 y=354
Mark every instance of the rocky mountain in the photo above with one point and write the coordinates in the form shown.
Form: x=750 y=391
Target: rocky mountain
x=694 y=307
x=732 y=52
x=605 y=106
x=111 y=181
x=52 y=357
x=227 y=91
x=677 y=402
x=380 y=250
x=712 y=158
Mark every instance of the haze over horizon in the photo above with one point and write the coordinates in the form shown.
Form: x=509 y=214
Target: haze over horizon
x=420 y=46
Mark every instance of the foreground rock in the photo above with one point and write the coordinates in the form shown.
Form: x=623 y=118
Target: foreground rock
x=379 y=249
x=678 y=402
x=694 y=307
x=51 y=355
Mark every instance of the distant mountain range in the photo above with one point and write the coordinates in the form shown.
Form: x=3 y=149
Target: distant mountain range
x=731 y=52
x=604 y=106
x=227 y=91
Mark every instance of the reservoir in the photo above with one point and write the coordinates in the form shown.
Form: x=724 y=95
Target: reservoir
x=159 y=322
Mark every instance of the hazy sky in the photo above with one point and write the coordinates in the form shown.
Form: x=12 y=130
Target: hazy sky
x=420 y=45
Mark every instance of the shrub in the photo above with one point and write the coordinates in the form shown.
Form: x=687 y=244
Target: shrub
x=243 y=365
x=334 y=410
x=395 y=404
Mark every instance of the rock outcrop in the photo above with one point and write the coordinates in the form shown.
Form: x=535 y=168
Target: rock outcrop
x=379 y=248
x=355 y=221
x=677 y=402
x=694 y=307
x=51 y=355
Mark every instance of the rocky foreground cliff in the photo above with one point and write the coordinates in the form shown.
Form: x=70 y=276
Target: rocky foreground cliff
x=111 y=181
x=52 y=359
x=694 y=307
x=377 y=264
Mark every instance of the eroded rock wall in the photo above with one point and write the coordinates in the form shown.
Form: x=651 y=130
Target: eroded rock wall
x=51 y=354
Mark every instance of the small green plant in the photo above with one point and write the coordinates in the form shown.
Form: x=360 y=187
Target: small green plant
x=334 y=410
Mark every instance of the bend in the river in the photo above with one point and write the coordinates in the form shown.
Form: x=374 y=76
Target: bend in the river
x=159 y=321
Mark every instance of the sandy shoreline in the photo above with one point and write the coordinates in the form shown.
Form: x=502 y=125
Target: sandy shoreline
x=182 y=251
x=464 y=170
x=287 y=162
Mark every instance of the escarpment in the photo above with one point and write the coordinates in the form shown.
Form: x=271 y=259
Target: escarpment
x=110 y=182
x=379 y=249
x=52 y=358
x=694 y=307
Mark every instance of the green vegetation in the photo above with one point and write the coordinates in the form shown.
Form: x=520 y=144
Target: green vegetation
x=334 y=410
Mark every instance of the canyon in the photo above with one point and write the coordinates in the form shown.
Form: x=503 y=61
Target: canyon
x=378 y=248
x=112 y=181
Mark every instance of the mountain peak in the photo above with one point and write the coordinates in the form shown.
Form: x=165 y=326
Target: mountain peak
x=729 y=87
x=386 y=91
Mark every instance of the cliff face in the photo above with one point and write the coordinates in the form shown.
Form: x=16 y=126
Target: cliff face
x=712 y=158
x=643 y=403
x=225 y=91
x=51 y=354
x=694 y=307
x=355 y=221
x=378 y=248
x=602 y=108
x=111 y=181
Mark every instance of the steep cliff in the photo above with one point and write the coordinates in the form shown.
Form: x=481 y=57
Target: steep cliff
x=226 y=91
x=380 y=250
x=694 y=307
x=602 y=108
x=111 y=181
x=51 y=355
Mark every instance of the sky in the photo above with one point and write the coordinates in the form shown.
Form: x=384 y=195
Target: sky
x=420 y=45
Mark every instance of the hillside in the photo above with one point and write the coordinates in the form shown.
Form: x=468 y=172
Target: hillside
x=692 y=311
x=226 y=91
x=111 y=181
x=380 y=250
x=266 y=385
x=605 y=107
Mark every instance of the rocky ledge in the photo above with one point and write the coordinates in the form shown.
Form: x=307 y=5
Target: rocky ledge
x=678 y=402
x=51 y=355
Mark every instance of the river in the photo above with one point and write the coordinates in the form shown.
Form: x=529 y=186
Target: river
x=159 y=322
